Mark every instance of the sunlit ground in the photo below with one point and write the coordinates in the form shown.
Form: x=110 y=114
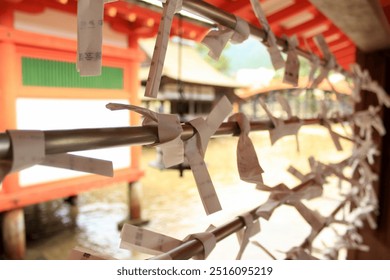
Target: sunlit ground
x=173 y=206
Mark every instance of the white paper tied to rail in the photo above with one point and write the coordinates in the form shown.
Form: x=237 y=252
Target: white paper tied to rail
x=363 y=80
x=351 y=240
x=276 y=198
x=364 y=149
x=297 y=174
x=319 y=171
x=270 y=40
x=153 y=243
x=382 y=95
x=247 y=162
x=323 y=115
x=281 y=194
x=195 y=148
x=169 y=131
x=312 y=217
x=291 y=69
x=358 y=76
x=282 y=127
x=147 y=241
x=330 y=61
x=368 y=177
x=208 y=241
x=315 y=64
x=252 y=227
x=89 y=37
x=368 y=120
x=170 y=7
x=28 y=149
x=363 y=212
x=216 y=39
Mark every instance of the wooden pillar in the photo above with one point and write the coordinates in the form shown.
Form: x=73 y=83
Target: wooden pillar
x=12 y=227
x=8 y=85
x=132 y=87
x=14 y=240
x=135 y=209
x=378 y=64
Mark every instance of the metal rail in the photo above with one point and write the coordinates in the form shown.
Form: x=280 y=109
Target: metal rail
x=204 y=9
x=193 y=247
x=229 y=20
x=63 y=141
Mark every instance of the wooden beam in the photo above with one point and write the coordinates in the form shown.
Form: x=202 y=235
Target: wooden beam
x=291 y=11
x=363 y=21
x=345 y=51
x=306 y=26
x=346 y=61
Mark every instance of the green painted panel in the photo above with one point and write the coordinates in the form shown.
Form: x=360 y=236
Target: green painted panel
x=51 y=73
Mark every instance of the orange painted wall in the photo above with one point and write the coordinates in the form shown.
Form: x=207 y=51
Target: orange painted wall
x=14 y=44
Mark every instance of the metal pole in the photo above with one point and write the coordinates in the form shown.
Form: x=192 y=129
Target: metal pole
x=193 y=247
x=229 y=20
x=221 y=17
x=63 y=141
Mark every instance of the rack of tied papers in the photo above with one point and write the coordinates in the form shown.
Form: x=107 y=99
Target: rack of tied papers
x=188 y=141
x=178 y=141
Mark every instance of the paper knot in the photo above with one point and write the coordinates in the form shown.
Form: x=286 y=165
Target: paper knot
x=252 y=227
x=195 y=148
x=208 y=241
x=169 y=131
x=281 y=127
x=247 y=162
x=217 y=39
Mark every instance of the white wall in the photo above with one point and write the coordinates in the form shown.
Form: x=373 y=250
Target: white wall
x=54 y=114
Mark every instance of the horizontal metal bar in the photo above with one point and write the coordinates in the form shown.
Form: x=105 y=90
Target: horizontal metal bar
x=158 y=9
x=193 y=247
x=63 y=141
x=229 y=20
x=221 y=17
